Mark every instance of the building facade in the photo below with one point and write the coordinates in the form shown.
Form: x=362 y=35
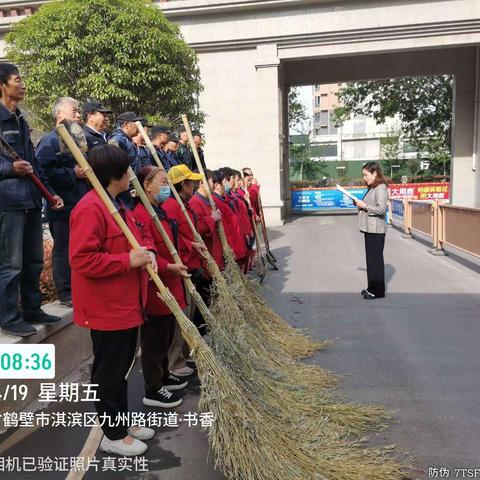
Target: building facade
x=252 y=51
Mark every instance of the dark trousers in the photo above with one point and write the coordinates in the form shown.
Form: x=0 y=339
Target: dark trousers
x=374 y=244
x=113 y=355
x=202 y=285
x=60 y=230
x=21 y=263
x=157 y=334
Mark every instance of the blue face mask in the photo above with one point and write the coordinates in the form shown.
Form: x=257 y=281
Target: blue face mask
x=227 y=188
x=163 y=194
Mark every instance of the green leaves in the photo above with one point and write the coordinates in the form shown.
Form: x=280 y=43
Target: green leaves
x=124 y=53
x=422 y=104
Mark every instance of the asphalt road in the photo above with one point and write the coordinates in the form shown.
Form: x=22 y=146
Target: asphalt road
x=417 y=351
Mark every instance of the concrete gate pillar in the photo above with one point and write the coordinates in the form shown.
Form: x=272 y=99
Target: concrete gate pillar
x=243 y=117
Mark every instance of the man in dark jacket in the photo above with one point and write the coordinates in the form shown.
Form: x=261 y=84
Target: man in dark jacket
x=184 y=154
x=21 y=235
x=198 y=140
x=170 y=151
x=95 y=117
x=68 y=181
x=159 y=137
x=122 y=137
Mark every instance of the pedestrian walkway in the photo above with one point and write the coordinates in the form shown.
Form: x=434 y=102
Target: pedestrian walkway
x=417 y=351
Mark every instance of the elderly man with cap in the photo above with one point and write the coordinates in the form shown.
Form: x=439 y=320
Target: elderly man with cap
x=122 y=137
x=95 y=118
x=190 y=251
x=69 y=181
x=184 y=154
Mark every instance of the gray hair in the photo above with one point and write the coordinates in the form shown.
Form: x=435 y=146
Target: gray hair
x=58 y=105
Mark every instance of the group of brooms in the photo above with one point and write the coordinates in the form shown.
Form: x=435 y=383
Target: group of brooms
x=275 y=417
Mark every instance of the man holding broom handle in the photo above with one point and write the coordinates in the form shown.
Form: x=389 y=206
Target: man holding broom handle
x=21 y=234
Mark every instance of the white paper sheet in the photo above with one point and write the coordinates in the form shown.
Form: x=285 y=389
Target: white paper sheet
x=347 y=193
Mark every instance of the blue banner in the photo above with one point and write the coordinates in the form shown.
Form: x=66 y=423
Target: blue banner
x=323 y=199
x=397 y=208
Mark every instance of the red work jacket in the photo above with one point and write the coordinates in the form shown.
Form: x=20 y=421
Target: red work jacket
x=107 y=294
x=231 y=226
x=155 y=305
x=207 y=227
x=190 y=256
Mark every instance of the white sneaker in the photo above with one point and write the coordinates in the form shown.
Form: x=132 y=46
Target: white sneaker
x=119 y=447
x=141 y=433
x=183 y=372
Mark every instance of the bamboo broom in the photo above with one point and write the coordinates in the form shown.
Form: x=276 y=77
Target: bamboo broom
x=246 y=439
x=292 y=340
x=278 y=392
x=254 y=383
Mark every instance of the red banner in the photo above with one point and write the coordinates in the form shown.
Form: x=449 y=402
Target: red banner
x=420 y=191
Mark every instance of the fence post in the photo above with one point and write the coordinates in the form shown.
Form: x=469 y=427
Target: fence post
x=437 y=230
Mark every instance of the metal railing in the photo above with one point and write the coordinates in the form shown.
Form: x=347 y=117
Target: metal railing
x=445 y=225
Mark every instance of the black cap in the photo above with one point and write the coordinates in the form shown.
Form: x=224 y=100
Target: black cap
x=95 y=106
x=158 y=129
x=129 y=117
x=173 y=138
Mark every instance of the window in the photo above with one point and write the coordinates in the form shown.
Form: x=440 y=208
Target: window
x=328 y=150
x=317 y=118
x=317 y=87
x=324 y=117
x=317 y=101
x=323 y=130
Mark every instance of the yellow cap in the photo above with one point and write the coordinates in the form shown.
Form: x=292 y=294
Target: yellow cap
x=178 y=173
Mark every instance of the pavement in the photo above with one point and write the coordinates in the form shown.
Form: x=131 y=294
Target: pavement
x=416 y=352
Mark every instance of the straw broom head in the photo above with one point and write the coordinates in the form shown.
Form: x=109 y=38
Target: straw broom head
x=246 y=444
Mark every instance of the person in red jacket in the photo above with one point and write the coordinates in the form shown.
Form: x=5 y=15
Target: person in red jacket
x=234 y=203
x=158 y=331
x=246 y=215
x=191 y=252
x=229 y=219
x=109 y=288
x=207 y=220
x=253 y=189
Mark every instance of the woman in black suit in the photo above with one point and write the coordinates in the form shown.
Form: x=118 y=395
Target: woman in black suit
x=371 y=221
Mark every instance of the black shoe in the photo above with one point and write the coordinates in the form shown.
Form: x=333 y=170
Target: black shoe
x=20 y=329
x=163 y=398
x=363 y=292
x=371 y=296
x=67 y=302
x=41 y=317
x=174 y=383
x=191 y=363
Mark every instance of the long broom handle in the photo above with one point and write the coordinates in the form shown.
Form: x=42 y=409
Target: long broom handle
x=264 y=227
x=151 y=147
x=189 y=331
x=212 y=266
x=168 y=242
x=221 y=230
x=43 y=190
x=80 y=159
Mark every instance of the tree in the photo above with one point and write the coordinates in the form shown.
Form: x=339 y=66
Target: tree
x=423 y=105
x=124 y=53
x=297 y=114
x=391 y=150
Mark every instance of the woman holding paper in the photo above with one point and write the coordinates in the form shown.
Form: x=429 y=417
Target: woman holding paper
x=371 y=221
